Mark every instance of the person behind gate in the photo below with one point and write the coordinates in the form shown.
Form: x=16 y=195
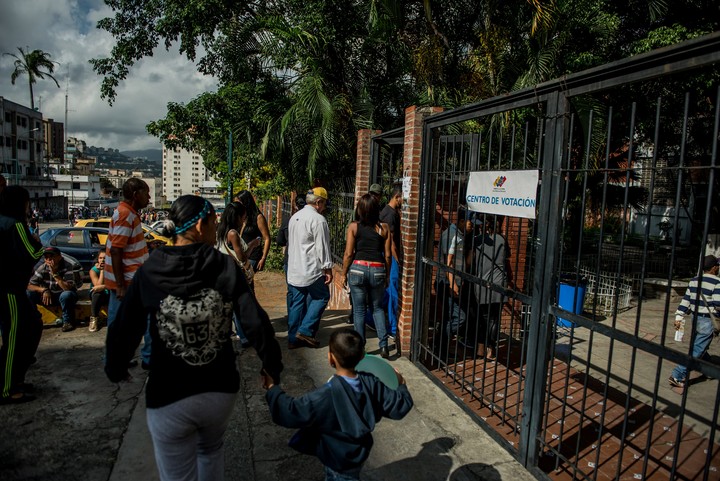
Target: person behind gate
x=390 y=215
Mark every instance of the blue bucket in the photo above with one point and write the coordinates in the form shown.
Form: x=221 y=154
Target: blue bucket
x=567 y=294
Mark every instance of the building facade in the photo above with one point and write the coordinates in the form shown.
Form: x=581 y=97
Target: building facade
x=22 y=156
x=183 y=172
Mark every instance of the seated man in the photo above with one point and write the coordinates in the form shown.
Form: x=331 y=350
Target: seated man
x=54 y=283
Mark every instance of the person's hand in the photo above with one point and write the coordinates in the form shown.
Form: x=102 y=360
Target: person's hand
x=120 y=292
x=260 y=264
x=266 y=380
x=328 y=277
x=343 y=280
x=455 y=290
x=46 y=297
x=400 y=378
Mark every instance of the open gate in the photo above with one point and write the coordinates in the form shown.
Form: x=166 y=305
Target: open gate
x=577 y=383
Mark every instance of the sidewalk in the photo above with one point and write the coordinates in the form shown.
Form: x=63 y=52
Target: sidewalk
x=84 y=427
x=435 y=441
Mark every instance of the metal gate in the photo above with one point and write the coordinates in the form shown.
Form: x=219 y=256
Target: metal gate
x=569 y=368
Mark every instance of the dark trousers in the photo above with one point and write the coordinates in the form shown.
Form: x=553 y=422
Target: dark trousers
x=98 y=299
x=487 y=322
x=21 y=331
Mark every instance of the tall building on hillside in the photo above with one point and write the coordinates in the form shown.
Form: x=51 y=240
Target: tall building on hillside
x=183 y=172
x=54 y=140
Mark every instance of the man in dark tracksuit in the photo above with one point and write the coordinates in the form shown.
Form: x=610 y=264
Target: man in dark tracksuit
x=21 y=325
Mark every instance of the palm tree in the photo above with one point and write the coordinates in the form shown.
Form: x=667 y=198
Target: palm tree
x=35 y=64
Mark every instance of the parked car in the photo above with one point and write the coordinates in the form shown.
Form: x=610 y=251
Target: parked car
x=82 y=243
x=153 y=237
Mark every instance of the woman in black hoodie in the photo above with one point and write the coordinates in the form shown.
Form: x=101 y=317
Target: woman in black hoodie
x=190 y=291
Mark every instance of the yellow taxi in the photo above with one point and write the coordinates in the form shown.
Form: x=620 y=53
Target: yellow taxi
x=153 y=237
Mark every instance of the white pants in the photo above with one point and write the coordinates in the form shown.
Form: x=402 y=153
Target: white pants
x=188 y=437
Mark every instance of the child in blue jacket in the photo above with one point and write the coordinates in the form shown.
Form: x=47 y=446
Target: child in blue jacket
x=336 y=420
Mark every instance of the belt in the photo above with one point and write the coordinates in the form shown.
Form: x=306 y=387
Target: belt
x=369 y=264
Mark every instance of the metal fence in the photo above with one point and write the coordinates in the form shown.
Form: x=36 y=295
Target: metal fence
x=577 y=385
x=341 y=212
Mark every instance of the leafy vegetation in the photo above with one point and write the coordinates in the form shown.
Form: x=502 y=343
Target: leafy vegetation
x=36 y=64
x=298 y=78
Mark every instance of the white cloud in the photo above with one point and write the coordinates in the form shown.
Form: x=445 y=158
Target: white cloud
x=66 y=29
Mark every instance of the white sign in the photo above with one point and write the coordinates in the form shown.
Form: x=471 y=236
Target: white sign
x=512 y=192
x=406 y=183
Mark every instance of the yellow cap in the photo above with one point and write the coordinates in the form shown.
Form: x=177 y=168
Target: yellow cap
x=319 y=192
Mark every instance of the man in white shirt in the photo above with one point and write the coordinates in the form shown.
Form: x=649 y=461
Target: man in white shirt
x=309 y=270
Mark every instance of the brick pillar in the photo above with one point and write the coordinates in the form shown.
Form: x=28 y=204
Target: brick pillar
x=412 y=153
x=363 y=162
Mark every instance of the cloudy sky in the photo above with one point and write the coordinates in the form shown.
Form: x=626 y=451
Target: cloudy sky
x=66 y=29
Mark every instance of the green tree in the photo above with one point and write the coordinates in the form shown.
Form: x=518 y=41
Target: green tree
x=35 y=64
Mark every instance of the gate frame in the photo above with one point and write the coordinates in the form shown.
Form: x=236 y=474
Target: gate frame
x=555 y=94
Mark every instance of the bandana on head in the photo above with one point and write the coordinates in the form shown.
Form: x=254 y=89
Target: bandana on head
x=201 y=215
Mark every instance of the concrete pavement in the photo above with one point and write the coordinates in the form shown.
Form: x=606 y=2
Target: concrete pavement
x=84 y=427
x=436 y=441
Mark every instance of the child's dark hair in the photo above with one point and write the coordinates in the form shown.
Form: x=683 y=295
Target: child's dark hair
x=348 y=347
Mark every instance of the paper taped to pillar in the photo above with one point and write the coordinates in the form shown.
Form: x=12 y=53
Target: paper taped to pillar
x=512 y=192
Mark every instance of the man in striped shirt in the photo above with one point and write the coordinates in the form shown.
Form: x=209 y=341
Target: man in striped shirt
x=699 y=306
x=126 y=246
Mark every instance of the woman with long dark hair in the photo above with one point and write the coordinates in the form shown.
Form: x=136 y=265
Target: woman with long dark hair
x=20 y=323
x=228 y=241
x=255 y=227
x=190 y=291
x=366 y=265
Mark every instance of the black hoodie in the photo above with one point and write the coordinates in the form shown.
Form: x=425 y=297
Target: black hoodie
x=190 y=293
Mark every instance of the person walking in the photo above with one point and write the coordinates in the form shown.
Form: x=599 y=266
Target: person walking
x=390 y=215
x=189 y=291
x=336 y=420
x=366 y=264
x=229 y=242
x=99 y=294
x=20 y=324
x=126 y=249
x=701 y=302
x=255 y=227
x=309 y=269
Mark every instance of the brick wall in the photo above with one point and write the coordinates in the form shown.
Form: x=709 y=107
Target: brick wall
x=412 y=154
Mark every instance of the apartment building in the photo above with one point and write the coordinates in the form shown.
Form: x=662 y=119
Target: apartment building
x=183 y=172
x=22 y=148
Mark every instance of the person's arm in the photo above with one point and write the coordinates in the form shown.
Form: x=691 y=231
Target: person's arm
x=234 y=238
x=97 y=280
x=257 y=327
x=282 y=235
x=265 y=234
x=322 y=248
x=116 y=254
x=28 y=246
x=291 y=412
x=385 y=230
x=65 y=280
x=349 y=251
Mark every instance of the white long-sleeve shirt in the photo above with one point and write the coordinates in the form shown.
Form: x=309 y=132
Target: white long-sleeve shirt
x=308 y=247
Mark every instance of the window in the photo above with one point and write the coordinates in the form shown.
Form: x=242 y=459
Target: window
x=69 y=238
x=8 y=117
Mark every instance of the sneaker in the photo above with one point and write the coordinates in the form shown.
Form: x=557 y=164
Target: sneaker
x=310 y=341
x=67 y=327
x=58 y=322
x=93 y=327
x=676 y=382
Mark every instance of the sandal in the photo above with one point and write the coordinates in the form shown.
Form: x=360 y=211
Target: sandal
x=17 y=398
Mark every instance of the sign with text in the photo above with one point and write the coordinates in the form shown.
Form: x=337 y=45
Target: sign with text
x=512 y=192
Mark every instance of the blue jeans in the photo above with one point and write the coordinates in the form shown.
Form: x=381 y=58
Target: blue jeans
x=66 y=300
x=368 y=284
x=331 y=475
x=307 y=305
x=393 y=296
x=703 y=338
